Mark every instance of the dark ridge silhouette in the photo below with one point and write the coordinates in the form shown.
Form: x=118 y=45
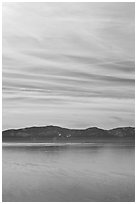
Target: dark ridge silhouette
x=59 y=134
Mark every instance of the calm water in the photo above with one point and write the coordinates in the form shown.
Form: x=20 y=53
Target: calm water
x=91 y=172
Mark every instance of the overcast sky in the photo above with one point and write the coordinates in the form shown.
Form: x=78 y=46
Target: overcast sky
x=68 y=64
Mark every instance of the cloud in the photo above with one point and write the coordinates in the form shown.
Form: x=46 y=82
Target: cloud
x=72 y=63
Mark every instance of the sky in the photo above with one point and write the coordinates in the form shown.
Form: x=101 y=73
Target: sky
x=68 y=64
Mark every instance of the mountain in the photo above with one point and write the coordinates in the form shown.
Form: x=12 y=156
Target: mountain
x=59 y=134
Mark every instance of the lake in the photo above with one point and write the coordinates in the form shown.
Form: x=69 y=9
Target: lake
x=68 y=173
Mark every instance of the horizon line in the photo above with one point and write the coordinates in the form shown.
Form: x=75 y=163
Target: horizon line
x=67 y=127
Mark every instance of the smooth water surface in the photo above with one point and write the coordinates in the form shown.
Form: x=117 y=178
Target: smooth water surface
x=59 y=172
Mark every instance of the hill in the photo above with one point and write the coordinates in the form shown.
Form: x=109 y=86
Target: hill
x=59 y=134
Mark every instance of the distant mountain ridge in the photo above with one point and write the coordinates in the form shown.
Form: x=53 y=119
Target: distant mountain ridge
x=59 y=134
